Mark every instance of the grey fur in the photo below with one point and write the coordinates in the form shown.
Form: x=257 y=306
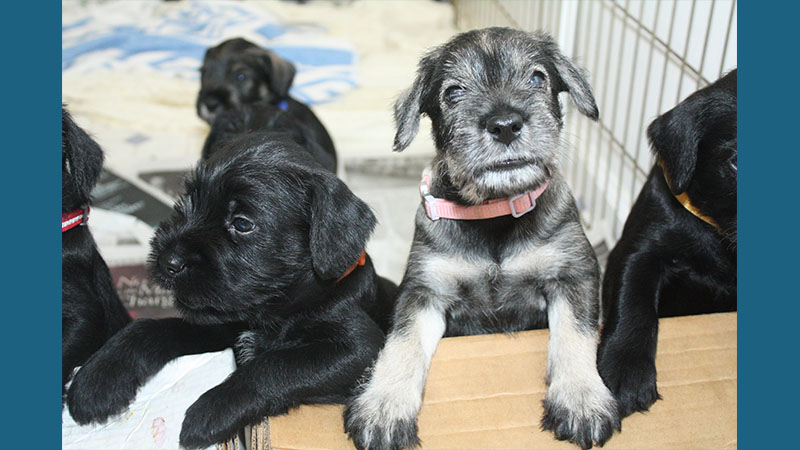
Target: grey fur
x=502 y=274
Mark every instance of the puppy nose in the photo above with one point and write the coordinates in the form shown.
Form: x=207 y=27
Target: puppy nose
x=171 y=263
x=505 y=127
x=212 y=103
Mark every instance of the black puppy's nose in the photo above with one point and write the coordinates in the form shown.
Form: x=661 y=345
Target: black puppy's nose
x=212 y=103
x=505 y=127
x=171 y=263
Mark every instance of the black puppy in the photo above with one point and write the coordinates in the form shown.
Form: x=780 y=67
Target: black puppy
x=91 y=311
x=264 y=116
x=677 y=253
x=265 y=253
x=238 y=72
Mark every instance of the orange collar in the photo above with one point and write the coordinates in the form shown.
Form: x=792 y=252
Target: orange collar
x=361 y=261
x=684 y=200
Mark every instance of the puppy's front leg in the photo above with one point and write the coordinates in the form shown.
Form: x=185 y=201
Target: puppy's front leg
x=578 y=407
x=271 y=382
x=107 y=384
x=626 y=358
x=383 y=414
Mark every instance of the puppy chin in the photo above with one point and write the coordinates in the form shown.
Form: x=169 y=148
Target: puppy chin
x=191 y=303
x=494 y=182
x=202 y=309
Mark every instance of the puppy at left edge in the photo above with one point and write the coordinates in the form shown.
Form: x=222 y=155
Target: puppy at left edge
x=91 y=311
x=264 y=253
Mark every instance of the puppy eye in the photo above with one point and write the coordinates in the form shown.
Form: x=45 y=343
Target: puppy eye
x=242 y=225
x=241 y=76
x=453 y=94
x=538 y=79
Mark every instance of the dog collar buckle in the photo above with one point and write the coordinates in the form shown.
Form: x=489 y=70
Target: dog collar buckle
x=430 y=207
x=425 y=192
x=85 y=221
x=513 y=207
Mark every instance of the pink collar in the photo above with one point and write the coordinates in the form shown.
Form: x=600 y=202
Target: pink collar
x=72 y=219
x=438 y=208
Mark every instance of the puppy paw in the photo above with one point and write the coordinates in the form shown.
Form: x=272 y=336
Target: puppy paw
x=102 y=388
x=374 y=423
x=633 y=383
x=585 y=415
x=209 y=421
x=378 y=433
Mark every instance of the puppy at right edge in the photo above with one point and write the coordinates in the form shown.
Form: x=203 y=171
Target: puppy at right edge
x=677 y=253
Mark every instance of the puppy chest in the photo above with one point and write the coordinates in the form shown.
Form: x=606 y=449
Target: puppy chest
x=485 y=296
x=493 y=307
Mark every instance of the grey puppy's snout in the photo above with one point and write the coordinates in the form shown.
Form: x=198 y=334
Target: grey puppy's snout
x=505 y=127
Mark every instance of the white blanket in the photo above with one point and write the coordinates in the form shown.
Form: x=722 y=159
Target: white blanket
x=154 y=419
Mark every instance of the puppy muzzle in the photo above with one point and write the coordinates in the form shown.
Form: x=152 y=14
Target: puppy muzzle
x=505 y=128
x=171 y=264
x=211 y=103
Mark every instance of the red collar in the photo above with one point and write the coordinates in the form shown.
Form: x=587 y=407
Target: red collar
x=361 y=261
x=72 y=219
x=438 y=208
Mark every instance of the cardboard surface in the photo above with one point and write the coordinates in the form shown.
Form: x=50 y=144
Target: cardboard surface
x=486 y=392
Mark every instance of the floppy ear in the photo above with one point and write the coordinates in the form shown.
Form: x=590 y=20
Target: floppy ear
x=81 y=159
x=341 y=223
x=674 y=137
x=280 y=73
x=575 y=83
x=677 y=135
x=408 y=106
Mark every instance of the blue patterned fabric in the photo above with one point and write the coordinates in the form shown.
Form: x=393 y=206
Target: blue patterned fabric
x=171 y=38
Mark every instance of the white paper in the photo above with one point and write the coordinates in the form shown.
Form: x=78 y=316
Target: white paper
x=154 y=419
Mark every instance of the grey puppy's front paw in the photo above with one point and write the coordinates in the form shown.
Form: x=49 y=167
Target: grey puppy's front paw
x=375 y=433
x=585 y=416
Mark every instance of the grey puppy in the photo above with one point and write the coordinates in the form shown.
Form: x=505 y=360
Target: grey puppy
x=492 y=97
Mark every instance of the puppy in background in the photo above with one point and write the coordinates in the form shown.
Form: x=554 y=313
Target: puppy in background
x=677 y=253
x=91 y=311
x=263 y=116
x=238 y=72
x=498 y=245
x=265 y=254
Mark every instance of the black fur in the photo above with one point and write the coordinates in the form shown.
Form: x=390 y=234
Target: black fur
x=91 y=311
x=271 y=291
x=264 y=116
x=238 y=72
x=669 y=262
